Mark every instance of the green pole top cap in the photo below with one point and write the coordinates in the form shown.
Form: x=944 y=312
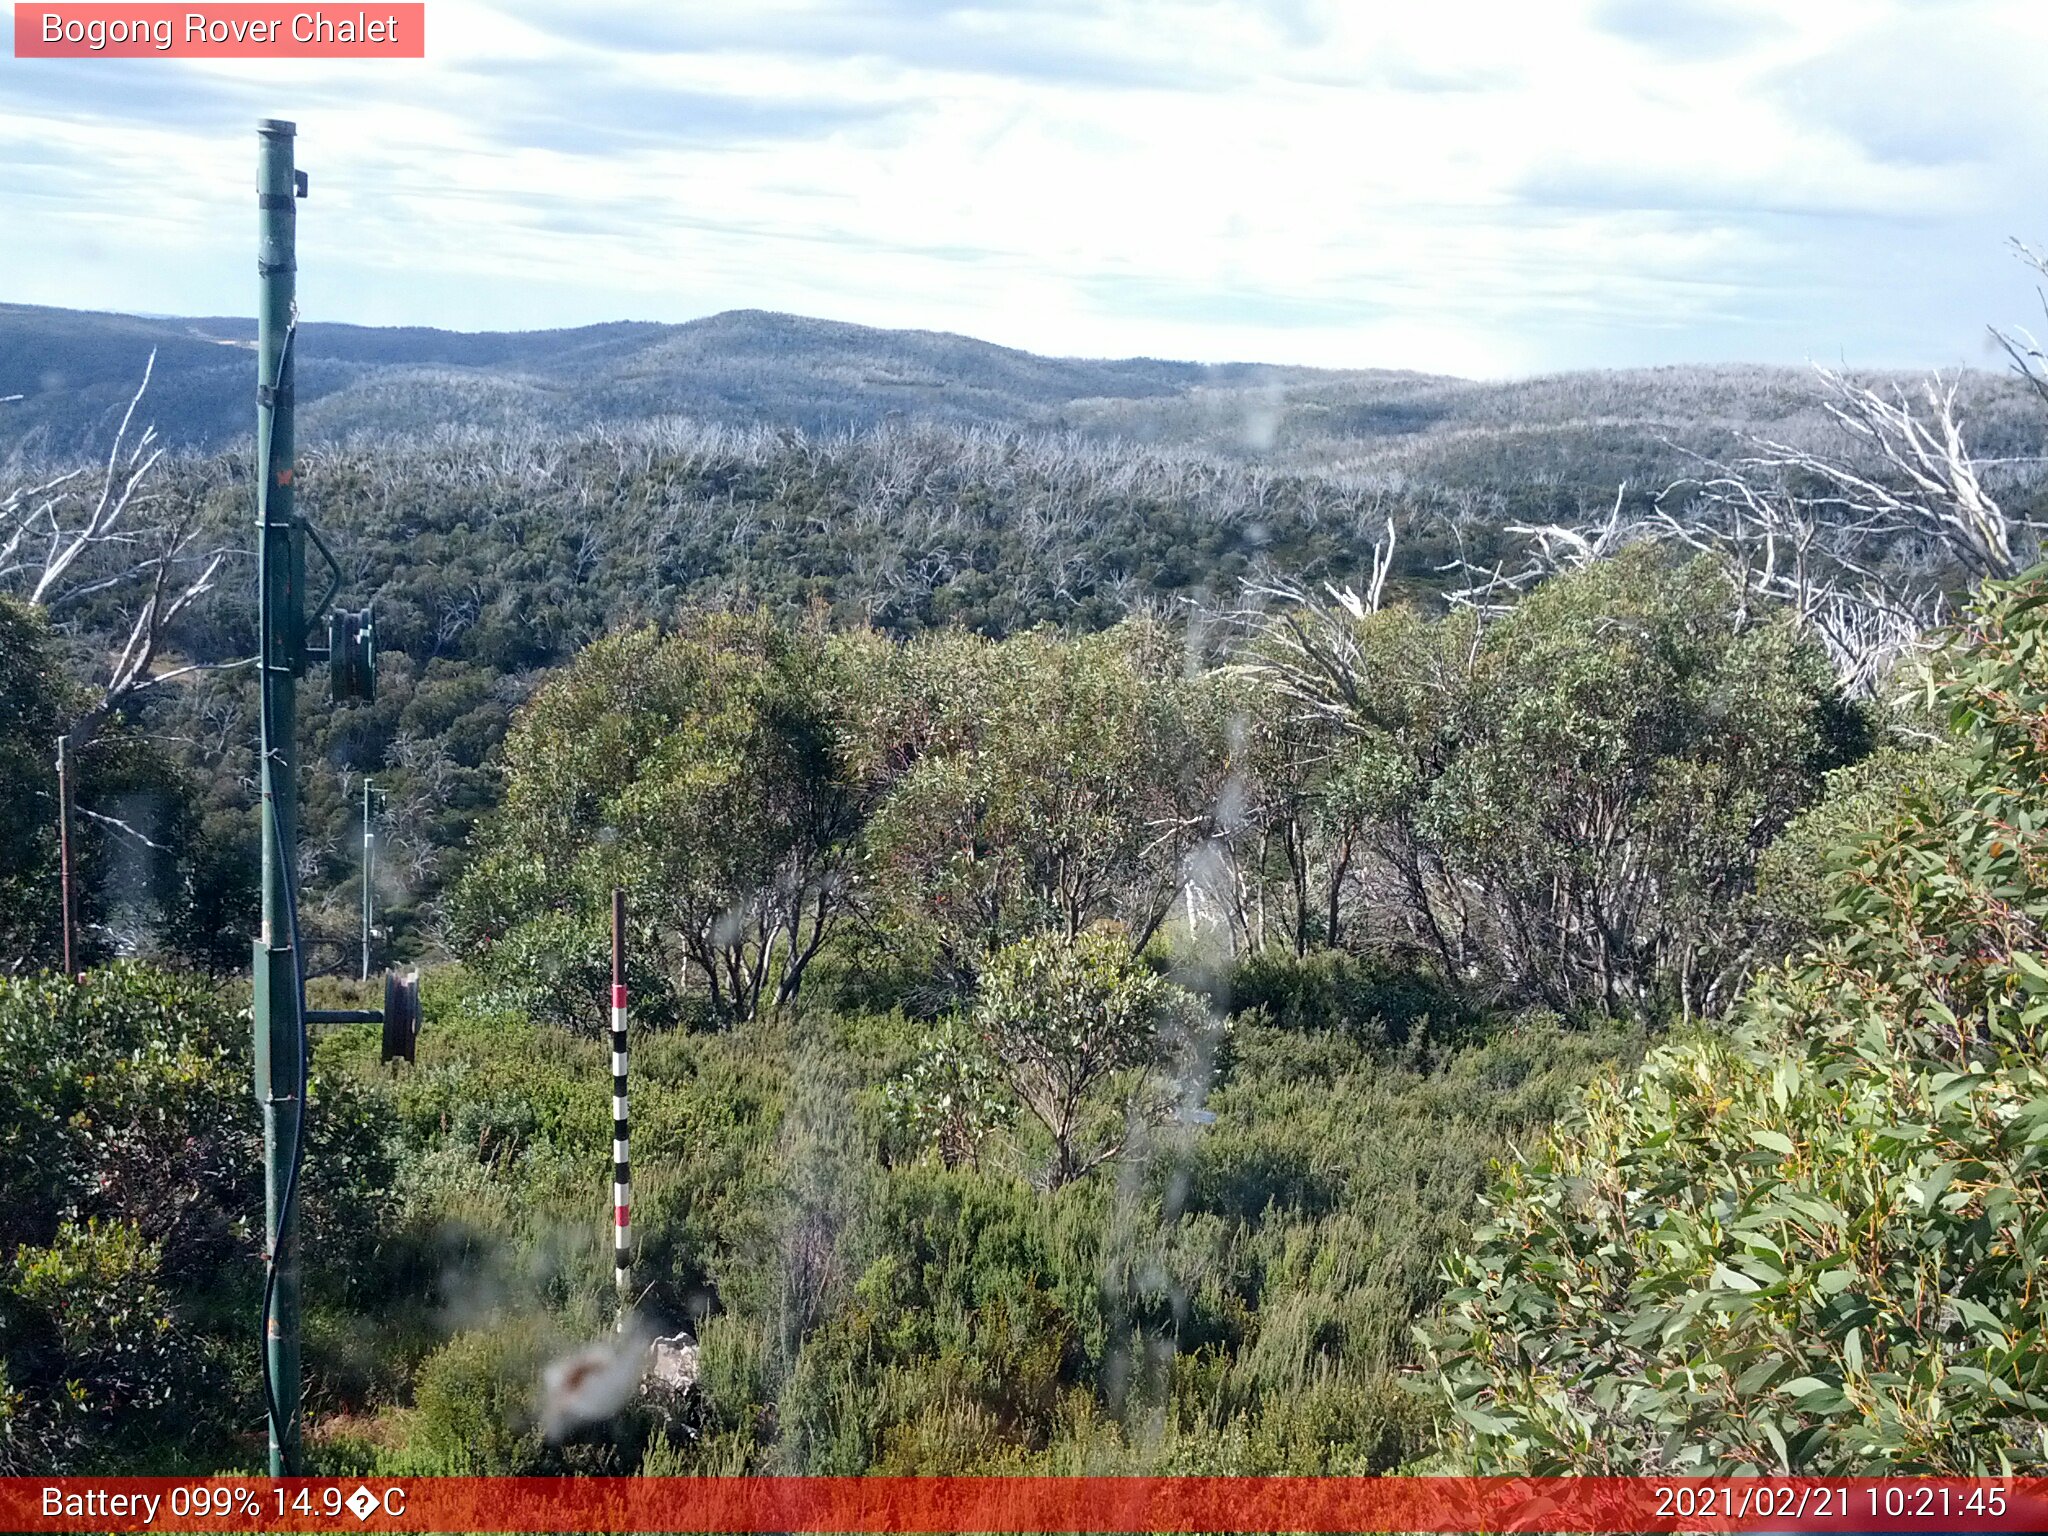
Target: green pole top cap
x=276 y=126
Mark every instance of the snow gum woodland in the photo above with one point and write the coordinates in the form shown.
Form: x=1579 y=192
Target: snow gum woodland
x=1498 y=929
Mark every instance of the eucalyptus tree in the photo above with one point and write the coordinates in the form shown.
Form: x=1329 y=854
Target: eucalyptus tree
x=1565 y=803
x=1046 y=783
x=704 y=772
x=1811 y=1243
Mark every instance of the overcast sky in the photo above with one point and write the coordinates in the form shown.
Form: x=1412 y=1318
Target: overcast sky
x=1484 y=187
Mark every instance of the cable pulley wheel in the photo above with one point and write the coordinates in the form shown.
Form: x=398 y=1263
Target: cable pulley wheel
x=401 y=1015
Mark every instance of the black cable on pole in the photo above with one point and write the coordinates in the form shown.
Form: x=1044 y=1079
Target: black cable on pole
x=289 y=1195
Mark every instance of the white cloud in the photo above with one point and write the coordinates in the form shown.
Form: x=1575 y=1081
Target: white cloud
x=1478 y=187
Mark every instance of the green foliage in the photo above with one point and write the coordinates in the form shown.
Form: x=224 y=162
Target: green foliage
x=1238 y=1305
x=129 y=1096
x=131 y=1158
x=1079 y=1032
x=1089 y=1039
x=953 y=1094
x=90 y=1322
x=751 y=781
x=33 y=701
x=700 y=771
x=1045 y=783
x=1811 y=1246
x=1379 y=1002
x=1635 y=744
x=1237 y=1299
x=1569 y=802
x=143 y=875
x=1795 y=875
x=123 y=1099
x=476 y=1400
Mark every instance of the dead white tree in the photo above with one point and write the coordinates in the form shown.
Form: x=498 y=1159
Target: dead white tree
x=106 y=533
x=1801 y=553
x=1910 y=475
x=2029 y=360
x=104 y=536
x=1550 y=549
x=1310 y=652
x=1859 y=544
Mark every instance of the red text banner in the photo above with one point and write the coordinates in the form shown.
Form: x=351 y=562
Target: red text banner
x=1020 y=1504
x=230 y=31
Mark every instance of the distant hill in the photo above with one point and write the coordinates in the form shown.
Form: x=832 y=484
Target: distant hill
x=76 y=370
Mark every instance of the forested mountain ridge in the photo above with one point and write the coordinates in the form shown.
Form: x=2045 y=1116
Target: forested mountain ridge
x=74 y=372
x=74 y=368
x=491 y=554
x=1047 y=847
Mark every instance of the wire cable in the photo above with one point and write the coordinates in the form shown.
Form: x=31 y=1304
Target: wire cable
x=288 y=1197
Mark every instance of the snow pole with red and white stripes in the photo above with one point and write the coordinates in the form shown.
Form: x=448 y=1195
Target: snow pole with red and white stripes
x=622 y=1167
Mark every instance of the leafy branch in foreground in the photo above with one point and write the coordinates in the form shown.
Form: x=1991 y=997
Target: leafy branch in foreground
x=1814 y=1246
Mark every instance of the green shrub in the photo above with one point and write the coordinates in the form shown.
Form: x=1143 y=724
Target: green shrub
x=1237 y=1298
x=476 y=1399
x=1080 y=1032
x=36 y=703
x=105 y=1362
x=1044 y=782
x=1814 y=1246
x=122 y=1097
x=1795 y=874
x=1238 y=1301
x=127 y=1110
x=952 y=1095
x=1383 y=1003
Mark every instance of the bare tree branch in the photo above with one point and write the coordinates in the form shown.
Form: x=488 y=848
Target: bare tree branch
x=78 y=536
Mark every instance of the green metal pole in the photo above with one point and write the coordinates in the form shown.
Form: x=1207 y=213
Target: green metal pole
x=281 y=589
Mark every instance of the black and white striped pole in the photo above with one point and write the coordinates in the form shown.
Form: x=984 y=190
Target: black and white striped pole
x=622 y=1167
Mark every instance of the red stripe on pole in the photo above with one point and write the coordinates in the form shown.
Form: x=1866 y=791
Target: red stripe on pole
x=619 y=1216
x=618 y=997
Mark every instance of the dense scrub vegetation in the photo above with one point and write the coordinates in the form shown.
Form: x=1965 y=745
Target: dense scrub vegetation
x=1564 y=807
x=491 y=559
x=1088 y=961
x=131 y=1161
x=1811 y=1244
x=1054 y=1052
x=1233 y=1297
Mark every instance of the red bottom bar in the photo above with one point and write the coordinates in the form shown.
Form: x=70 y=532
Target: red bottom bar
x=1019 y=1504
